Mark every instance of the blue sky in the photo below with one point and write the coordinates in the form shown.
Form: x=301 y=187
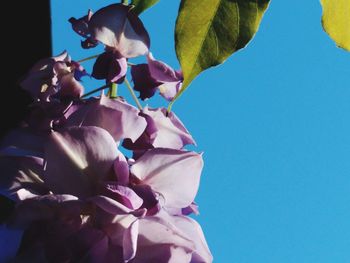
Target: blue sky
x=274 y=124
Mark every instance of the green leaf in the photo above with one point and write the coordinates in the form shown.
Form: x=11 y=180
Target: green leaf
x=336 y=21
x=142 y=5
x=208 y=31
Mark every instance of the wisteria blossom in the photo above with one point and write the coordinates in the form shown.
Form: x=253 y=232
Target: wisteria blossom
x=117 y=27
x=56 y=75
x=156 y=75
x=79 y=195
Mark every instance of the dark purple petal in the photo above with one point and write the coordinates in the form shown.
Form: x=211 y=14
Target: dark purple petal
x=97 y=252
x=89 y=43
x=81 y=25
x=21 y=173
x=173 y=174
x=150 y=201
x=109 y=67
x=143 y=81
x=118 y=28
x=102 y=65
x=79 y=70
x=123 y=195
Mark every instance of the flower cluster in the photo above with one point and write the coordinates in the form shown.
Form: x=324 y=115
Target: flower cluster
x=79 y=197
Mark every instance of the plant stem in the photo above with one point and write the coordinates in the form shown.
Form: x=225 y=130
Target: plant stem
x=125 y=2
x=113 y=92
x=95 y=90
x=127 y=83
x=174 y=99
x=88 y=58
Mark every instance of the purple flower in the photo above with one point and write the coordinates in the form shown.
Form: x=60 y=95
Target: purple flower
x=162 y=169
x=56 y=75
x=80 y=196
x=161 y=131
x=156 y=75
x=117 y=27
x=81 y=25
x=111 y=67
x=116 y=116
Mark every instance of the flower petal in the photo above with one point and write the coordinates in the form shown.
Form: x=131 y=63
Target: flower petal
x=109 y=205
x=161 y=71
x=168 y=90
x=21 y=172
x=81 y=25
x=119 y=118
x=117 y=27
x=171 y=133
x=193 y=230
x=124 y=195
x=165 y=169
x=77 y=158
x=41 y=81
x=143 y=81
x=109 y=67
x=130 y=241
x=164 y=253
x=121 y=169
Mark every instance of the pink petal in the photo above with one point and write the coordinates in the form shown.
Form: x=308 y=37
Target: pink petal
x=109 y=205
x=154 y=230
x=121 y=169
x=70 y=87
x=130 y=241
x=168 y=90
x=164 y=253
x=78 y=158
x=119 y=118
x=173 y=174
x=124 y=195
x=193 y=230
x=171 y=133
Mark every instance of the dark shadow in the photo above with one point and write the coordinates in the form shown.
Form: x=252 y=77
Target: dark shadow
x=26 y=37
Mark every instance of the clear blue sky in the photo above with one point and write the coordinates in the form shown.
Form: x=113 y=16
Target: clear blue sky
x=274 y=125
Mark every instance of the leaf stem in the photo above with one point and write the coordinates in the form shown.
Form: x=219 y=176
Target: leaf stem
x=127 y=83
x=174 y=99
x=88 y=58
x=95 y=90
